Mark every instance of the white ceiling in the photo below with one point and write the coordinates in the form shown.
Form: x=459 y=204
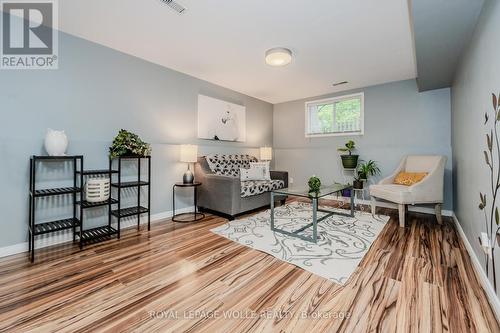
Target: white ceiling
x=365 y=42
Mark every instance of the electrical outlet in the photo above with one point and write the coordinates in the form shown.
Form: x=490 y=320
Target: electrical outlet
x=290 y=180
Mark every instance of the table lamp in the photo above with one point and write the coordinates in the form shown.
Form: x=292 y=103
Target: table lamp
x=266 y=153
x=189 y=154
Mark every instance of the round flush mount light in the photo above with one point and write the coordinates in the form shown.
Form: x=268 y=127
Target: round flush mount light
x=278 y=56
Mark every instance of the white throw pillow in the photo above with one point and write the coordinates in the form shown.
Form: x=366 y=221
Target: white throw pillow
x=257 y=171
x=265 y=165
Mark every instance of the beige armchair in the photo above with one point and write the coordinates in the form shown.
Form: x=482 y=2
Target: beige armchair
x=428 y=191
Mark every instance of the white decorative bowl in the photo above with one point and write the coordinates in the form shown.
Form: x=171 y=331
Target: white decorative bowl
x=97 y=189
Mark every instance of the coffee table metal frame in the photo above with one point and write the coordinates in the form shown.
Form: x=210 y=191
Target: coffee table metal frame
x=314 y=198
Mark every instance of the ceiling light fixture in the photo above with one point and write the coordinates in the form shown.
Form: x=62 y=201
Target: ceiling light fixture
x=278 y=56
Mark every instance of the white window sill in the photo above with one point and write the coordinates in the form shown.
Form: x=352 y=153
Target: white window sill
x=334 y=134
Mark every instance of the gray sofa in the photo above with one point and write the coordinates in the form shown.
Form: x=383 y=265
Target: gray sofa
x=223 y=193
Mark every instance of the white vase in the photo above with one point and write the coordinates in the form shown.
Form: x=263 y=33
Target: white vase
x=56 y=143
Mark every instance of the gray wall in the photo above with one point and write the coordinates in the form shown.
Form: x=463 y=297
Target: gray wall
x=477 y=78
x=95 y=92
x=398 y=121
x=441 y=29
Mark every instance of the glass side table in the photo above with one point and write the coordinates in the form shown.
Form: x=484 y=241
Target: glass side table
x=195 y=215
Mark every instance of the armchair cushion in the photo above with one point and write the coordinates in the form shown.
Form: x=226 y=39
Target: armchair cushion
x=409 y=178
x=392 y=192
x=254 y=187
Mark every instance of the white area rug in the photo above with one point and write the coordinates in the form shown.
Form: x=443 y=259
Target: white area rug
x=342 y=243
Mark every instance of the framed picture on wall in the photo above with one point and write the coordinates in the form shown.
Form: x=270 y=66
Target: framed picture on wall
x=221 y=120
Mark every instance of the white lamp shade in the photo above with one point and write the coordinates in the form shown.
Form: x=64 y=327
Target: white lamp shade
x=266 y=153
x=189 y=153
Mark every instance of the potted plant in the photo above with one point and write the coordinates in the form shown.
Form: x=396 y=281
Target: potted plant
x=129 y=144
x=349 y=161
x=314 y=185
x=365 y=170
x=357 y=183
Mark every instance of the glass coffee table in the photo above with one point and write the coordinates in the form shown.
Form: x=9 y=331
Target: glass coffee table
x=304 y=193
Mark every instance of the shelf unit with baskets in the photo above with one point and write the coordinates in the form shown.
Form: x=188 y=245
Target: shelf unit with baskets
x=79 y=202
x=101 y=233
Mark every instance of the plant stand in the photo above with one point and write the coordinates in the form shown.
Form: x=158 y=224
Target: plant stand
x=359 y=193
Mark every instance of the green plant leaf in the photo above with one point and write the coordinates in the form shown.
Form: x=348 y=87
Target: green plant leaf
x=495 y=102
x=497 y=217
x=485 y=118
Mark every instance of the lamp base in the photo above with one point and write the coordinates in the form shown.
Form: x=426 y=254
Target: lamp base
x=188 y=177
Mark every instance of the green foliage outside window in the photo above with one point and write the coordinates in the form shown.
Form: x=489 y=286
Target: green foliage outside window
x=346 y=111
x=325 y=116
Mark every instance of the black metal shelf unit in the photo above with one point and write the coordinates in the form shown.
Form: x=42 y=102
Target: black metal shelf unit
x=36 y=229
x=137 y=210
x=102 y=233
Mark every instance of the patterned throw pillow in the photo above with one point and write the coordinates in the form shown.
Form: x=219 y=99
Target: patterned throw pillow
x=409 y=178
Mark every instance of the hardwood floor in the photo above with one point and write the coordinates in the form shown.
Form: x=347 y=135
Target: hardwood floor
x=182 y=277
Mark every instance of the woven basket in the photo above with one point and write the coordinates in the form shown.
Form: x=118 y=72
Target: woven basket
x=97 y=189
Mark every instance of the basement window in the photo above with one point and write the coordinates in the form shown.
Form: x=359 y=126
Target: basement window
x=337 y=116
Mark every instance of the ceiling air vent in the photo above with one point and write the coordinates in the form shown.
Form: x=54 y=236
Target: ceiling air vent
x=175 y=6
x=339 y=83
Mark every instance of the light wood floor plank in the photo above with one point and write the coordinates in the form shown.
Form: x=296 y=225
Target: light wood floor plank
x=183 y=278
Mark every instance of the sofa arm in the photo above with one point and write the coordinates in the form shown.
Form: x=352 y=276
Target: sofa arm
x=219 y=185
x=220 y=193
x=280 y=175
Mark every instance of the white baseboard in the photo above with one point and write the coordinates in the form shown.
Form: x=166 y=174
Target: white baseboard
x=485 y=282
x=386 y=204
x=67 y=235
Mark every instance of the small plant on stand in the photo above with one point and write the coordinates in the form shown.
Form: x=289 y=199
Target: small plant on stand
x=349 y=161
x=365 y=170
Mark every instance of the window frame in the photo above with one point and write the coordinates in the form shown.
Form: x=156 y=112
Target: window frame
x=332 y=100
